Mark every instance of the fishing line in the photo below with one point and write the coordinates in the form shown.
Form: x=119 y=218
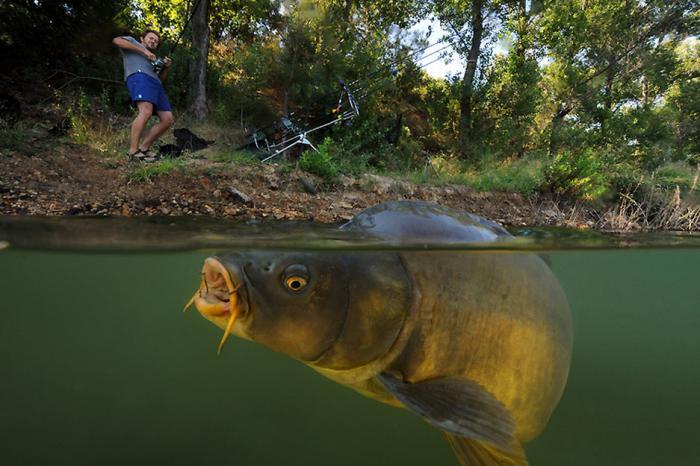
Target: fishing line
x=401 y=65
x=410 y=55
x=75 y=77
x=377 y=84
x=184 y=28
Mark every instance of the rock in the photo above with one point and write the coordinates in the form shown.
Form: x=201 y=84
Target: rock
x=74 y=210
x=309 y=186
x=38 y=133
x=238 y=196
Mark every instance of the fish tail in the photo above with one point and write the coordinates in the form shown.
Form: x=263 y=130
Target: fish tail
x=472 y=452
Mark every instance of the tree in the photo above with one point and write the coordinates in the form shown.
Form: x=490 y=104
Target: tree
x=511 y=94
x=599 y=49
x=471 y=26
x=40 y=32
x=200 y=50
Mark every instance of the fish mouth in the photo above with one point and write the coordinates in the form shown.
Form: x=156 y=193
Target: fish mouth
x=218 y=298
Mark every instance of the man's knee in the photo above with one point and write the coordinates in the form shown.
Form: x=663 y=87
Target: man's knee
x=167 y=119
x=145 y=112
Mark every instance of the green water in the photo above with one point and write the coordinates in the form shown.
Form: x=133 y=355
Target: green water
x=100 y=366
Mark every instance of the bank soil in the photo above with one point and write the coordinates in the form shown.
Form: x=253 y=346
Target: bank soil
x=47 y=177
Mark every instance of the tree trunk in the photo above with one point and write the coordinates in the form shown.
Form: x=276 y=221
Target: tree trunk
x=557 y=120
x=200 y=49
x=348 y=10
x=520 y=49
x=466 y=104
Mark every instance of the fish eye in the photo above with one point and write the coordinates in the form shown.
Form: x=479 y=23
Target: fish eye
x=295 y=277
x=295 y=283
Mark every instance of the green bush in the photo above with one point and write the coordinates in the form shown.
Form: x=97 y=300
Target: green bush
x=514 y=175
x=675 y=174
x=146 y=173
x=577 y=174
x=363 y=145
x=77 y=114
x=13 y=137
x=320 y=162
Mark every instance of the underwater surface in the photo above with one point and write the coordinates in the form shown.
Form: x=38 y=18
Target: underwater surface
x=99 y=364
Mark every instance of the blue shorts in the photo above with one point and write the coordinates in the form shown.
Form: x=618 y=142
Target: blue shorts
x=147 y=88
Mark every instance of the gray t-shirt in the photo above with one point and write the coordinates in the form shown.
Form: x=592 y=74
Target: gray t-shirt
x=135 y=62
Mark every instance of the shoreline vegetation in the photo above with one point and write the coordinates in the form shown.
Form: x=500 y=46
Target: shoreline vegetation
x=80 y=170
x=576 y=113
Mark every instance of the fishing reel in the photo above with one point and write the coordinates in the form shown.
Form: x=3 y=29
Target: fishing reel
x=158 y=64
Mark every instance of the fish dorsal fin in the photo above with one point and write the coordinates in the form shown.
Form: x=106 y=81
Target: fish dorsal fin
x=411 y=221
x=457 y=406
x=471 y=452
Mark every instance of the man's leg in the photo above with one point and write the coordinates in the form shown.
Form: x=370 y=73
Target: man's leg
x=166 y=121
x=139 y=123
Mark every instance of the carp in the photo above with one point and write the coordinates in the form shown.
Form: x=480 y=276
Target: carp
x=478 y=343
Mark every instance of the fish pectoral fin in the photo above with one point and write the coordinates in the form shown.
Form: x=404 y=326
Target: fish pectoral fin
x=472 y=452
x=457 y=406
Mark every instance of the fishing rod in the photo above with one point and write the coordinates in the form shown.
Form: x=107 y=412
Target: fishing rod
x=350 y=94
x=159 y=63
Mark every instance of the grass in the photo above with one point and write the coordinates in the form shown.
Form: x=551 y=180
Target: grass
x=12 y=138
x=147 y=173
x=524 y=175
x=105 y=135
x=677 y=174
x=584 y=175
x=658 y=209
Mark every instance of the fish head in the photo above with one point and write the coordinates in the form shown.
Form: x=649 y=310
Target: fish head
x=325 y=309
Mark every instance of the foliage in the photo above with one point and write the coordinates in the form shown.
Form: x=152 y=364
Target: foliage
x=578 y=97
x=78 y=125
x=676 y=174
x=577 y=174
x=13 y=138
x=521 y=175
x=320 y=162
x=146 y=173
x=49 y=32
x=89 y=122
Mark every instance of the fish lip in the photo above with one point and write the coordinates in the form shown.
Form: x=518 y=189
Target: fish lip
x=210 y=300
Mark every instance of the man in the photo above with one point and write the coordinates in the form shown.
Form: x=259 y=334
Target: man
x=146 y=90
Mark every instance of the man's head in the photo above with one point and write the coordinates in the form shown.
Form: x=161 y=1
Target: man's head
x=150 y=39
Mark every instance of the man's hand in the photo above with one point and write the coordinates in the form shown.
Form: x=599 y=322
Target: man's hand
x=150 y=55
x=167 y=61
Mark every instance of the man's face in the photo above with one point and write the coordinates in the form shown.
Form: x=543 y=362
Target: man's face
x=150 y=41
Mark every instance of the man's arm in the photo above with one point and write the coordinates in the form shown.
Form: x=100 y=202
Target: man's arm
x=164 y=73
x=126 y=45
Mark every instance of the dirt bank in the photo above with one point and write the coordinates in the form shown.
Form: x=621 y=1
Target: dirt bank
x=52 y=178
